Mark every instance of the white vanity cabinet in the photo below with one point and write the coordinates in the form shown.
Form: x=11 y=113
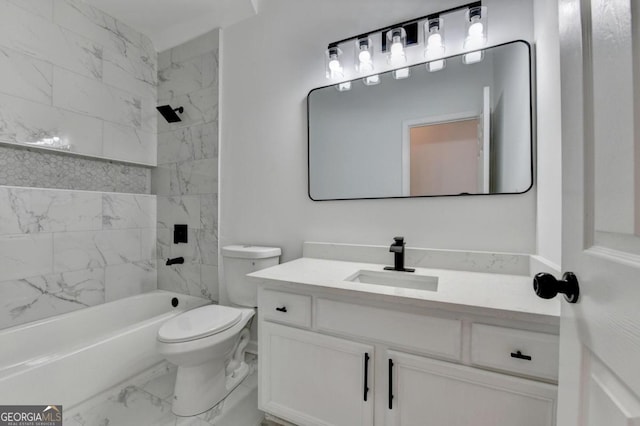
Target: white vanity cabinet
x=313 y=379
x=332 y=357
x=431 y=392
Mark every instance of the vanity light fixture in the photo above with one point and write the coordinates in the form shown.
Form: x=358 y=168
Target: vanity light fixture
x=333 y=66
x=397 y=42
x=476 y=35
x=434 y=42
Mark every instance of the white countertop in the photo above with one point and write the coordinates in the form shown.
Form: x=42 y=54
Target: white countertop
x=508 y=293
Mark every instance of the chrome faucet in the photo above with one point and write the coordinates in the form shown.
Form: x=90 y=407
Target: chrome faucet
x=397 y=248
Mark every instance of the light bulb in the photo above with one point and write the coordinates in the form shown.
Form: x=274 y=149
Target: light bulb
x=396 y=46
x=396 y=52
x=476 y=29
x=364 y=56
x=434 y=40
x=334 y=64
x=476 y=37
x=334 y=70
x=435 y=47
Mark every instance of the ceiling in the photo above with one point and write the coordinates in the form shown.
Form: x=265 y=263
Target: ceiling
x=172 y=22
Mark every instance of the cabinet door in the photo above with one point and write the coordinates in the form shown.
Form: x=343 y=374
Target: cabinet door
x=312 y=379
x=427 y=392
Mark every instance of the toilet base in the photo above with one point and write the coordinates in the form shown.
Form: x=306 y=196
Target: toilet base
x=197 y=391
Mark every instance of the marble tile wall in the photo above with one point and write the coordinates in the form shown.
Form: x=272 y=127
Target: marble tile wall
x=70 y=71
x=66 y=250
x=186 y=179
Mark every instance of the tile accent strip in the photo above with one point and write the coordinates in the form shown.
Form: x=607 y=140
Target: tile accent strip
x=37 y=169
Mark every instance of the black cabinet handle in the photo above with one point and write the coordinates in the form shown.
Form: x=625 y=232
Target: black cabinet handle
x=366 y=375
x=520 y=355
x=283 y=309
x=390 y=384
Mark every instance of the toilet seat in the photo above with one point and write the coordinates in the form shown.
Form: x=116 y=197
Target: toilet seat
x=199 y=323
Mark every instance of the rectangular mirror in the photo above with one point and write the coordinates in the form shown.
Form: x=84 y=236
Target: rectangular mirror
x=462 y=130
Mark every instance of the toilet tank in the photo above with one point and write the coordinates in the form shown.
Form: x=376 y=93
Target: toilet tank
x=240 y=260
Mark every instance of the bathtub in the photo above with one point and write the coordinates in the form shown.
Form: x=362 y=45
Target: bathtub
x=71 y=357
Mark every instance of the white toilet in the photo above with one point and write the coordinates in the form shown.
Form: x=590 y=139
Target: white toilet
x=208 y=343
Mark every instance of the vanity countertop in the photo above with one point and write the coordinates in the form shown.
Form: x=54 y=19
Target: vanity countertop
x=498 y=292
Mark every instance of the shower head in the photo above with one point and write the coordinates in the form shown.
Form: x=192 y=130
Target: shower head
x=169 y=113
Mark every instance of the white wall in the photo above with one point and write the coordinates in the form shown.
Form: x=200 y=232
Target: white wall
x=549 y=152
x=268 y=65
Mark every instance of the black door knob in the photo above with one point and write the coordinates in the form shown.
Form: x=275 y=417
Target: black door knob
x=547 y=286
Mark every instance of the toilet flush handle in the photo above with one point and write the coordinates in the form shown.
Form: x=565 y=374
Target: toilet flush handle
x=283 y=309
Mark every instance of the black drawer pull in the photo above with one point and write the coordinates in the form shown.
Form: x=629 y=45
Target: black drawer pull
x=390 y=384
x=366 y=375
x=519 y=355
x=283 y=309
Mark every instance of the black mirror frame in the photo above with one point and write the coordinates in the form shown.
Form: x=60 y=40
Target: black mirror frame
x=531 y=139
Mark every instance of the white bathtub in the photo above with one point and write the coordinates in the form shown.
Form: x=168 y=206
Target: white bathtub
x=72 y=357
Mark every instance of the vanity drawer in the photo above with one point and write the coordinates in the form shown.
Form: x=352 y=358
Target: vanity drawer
x=429 y=335
x=519 y=351
x=287 y=308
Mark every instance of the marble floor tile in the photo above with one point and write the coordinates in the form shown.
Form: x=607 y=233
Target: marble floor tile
x=162 y=385
x=130 y=406
x=145 y=400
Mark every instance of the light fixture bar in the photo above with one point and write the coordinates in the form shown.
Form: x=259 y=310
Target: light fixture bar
x=406 y=23
x=453 y=9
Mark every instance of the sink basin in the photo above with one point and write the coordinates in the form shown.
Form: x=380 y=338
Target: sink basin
x=395 y=279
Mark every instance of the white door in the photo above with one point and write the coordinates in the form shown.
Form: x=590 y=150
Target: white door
x=430 y=392
x=315 y=380
x=600 y=335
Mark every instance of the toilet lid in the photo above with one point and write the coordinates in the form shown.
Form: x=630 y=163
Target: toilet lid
x=198 y=323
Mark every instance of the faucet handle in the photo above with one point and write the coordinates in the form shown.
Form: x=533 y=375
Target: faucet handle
x=398 y=240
